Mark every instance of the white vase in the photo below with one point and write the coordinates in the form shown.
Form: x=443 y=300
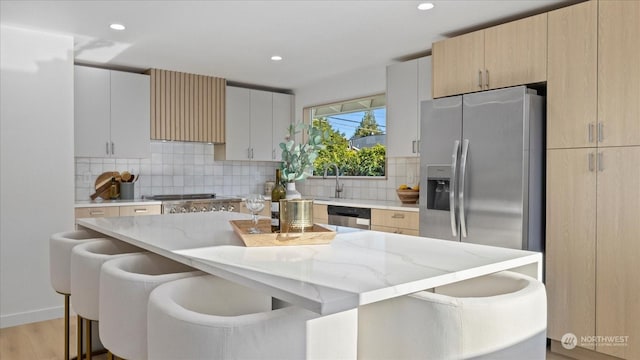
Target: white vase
x=292 y=193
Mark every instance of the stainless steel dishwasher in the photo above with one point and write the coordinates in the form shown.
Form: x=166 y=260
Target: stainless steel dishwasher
x=354 y=217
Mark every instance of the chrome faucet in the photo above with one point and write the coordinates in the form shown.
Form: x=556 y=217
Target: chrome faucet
x=339 y=187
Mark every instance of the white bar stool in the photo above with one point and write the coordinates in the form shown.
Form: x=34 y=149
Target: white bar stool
x=60 y=246
x=125 y=285
x=499 y=316
x=86 y=262
x=206 y=317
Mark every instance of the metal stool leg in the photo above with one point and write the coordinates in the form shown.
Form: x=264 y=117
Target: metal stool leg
x=66 y=326
x=79 y=337
x=88 y=335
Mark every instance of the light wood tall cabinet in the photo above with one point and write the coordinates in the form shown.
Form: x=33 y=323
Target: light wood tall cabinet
x=593 y=175
x=111 y=113
x=572 y=84
x=408 y=83
x=571 y=242
x=187 y=107
x=619 y=72
x=510 y=54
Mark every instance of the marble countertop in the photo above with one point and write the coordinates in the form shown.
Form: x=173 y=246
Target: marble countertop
x=357 y=268
x=100 y=202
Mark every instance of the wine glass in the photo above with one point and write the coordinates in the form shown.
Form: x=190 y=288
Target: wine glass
x=255 y=204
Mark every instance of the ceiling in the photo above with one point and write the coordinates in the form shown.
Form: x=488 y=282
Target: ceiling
x=235 y=39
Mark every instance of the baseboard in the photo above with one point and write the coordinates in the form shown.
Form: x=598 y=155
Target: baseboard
x=31 y=316
x=579 y=352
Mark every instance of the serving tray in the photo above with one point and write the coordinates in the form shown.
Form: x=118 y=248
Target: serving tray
x=317 y=236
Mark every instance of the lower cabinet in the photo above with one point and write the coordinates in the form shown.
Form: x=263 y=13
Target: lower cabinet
x=113 y=211
x=320 y=214
x=592 y=248
x=394 y=221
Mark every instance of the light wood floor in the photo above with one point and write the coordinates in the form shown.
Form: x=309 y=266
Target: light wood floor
x=44 y=341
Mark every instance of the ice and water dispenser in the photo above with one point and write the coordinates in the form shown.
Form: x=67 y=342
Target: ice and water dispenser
x=438 y=187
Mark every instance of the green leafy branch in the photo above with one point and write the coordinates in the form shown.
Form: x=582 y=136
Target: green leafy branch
x=298 y=158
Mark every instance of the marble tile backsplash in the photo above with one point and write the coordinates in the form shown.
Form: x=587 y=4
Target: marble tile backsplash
x=178 y=168
x=401 y=170
x=189 y=168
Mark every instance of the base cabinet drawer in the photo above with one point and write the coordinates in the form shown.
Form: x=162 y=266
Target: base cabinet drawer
x=320 y=214
x=134 y=210
x=95 y=212
x=393 y=230
x=395 y=219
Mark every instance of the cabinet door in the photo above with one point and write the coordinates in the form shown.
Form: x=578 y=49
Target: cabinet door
x=282 y=113
x=618 y=72
x=320 y=214
x=424 y=87
x=515 y=53
x=402 y=109
x=618 y=250
x=237 y=123
x=457 y=63
x=130 y=115
x=91 y=112
x=572 y=76
x=571 y=242
x=261 y=125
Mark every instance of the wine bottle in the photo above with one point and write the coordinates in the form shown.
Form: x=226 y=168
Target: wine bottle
x=278 y=192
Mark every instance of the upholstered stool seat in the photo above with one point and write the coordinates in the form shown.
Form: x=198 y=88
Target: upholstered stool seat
x=206 y=317
x=60 y=246
x=125 y=285
x=86 y=262
x=500 y=316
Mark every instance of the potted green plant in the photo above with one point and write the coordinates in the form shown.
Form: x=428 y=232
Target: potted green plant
x=298 y=158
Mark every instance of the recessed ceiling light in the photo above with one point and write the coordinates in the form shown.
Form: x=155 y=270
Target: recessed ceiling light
x=276 y=58
x=425 y=6
x=117 y=26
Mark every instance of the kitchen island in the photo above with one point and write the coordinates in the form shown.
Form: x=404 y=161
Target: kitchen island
x=357 y=268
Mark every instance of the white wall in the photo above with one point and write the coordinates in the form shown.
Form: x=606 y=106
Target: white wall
x=36 y=168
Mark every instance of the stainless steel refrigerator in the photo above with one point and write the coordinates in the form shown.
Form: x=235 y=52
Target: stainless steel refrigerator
x=482 y=168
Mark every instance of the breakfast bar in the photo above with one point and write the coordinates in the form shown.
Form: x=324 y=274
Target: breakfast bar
x=356 y=269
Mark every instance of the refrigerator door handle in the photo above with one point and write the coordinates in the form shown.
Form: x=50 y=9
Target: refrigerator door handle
x=463 y=170
x=452 y=188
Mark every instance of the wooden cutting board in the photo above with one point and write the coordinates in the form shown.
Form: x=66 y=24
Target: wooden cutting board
x=104 y=178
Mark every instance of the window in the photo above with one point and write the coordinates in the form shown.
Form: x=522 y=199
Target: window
x=357 y=140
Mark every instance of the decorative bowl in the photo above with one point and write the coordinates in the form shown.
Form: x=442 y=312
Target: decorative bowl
x=408 y=196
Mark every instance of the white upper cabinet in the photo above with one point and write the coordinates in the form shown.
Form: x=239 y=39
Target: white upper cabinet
x=282 y=114
x=111 y=113
x=408 y=83
x=255 y=124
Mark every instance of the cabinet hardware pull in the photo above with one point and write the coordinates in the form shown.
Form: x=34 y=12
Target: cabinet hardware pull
x=417 y=146
x=590 y=132
x=600 y=164
x=252 y=153
x=480 y=78
x=107 y=148
x=273 y=154
x=413 y=146
x=487 y=71
x=397 y=216
x=140 y=210
x=591 y=159
x=248 y=153
x=96 y=212
x=600 y=132
x=113 y=151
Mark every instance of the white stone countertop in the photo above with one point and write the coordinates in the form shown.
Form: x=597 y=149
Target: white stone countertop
x=101 y=202
x=357 y=268
x=371 y=204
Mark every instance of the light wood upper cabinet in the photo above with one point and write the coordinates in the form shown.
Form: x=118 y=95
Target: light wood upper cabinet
x=619 y=72
x=111 y=113
x=510 y=54
x=572 y=76
x=187 y=107
x=458 y=64
x=515 y=53
x=618 y=250
x=571 y=242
